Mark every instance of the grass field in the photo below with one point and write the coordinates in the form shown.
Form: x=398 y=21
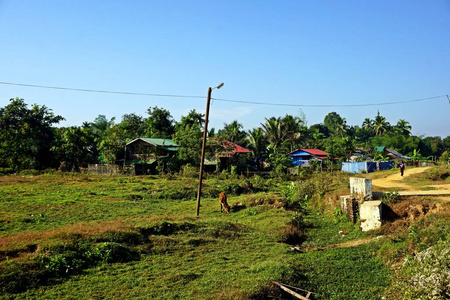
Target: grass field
x=80 y=236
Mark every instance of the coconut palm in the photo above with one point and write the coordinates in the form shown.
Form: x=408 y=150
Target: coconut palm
x=403 y=127
x=257 y=143
x=380 y=125
x=292 y=129
x=367 y=124
x=273 y=132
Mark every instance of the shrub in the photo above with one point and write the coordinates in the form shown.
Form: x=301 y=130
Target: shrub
x=190 y=171
x=437 y=174
x=298 y=193
x=427 y=276
x=390 y=197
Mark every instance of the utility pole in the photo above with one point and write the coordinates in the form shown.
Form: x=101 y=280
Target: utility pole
x=202 y=159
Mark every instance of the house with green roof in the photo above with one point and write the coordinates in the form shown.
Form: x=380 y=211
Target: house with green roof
x=144 y=154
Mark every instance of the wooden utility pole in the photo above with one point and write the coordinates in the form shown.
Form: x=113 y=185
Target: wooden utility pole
x=208 y=100
x=202 y=159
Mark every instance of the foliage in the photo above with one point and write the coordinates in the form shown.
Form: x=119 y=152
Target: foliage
x=427 y=275
x=74 y=147
x=336 y=125
x=38 y=145
x=26 y=135
x=257 y=143
x=159 y=124
x=234 y=133
x=190 y=139
x=390 y=197
x=437 y=174
x=279 y=162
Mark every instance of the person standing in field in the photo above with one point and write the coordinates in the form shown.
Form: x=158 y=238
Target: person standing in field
x=401 y=164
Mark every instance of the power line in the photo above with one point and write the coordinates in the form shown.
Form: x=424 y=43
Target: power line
x=99 y=91
x=329 y=105
x=219 y=99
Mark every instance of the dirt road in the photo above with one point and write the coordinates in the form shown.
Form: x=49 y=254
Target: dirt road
x=396 y=181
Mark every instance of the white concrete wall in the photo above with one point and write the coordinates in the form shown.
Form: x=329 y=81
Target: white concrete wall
x=361 y=188
x=370 y=215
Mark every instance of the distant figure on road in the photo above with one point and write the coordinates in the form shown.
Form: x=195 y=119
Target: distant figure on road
x=401 y=165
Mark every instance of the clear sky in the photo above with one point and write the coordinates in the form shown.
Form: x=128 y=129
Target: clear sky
x=294 y=52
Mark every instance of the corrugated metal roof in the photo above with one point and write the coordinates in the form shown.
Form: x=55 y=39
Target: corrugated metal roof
x=313 y=152
x=316 y=152
x=399 y=155
x=139 y=161
x=231 y=147
x=167 y=143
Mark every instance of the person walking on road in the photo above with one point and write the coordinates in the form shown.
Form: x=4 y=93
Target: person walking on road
x=402 y=167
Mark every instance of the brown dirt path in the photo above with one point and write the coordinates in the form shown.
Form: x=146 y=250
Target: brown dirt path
x=396 y=180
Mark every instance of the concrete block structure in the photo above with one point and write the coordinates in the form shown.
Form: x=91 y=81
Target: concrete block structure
x=370 y=214
x=361 y=189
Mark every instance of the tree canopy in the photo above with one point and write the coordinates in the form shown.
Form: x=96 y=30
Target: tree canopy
x=29 y=138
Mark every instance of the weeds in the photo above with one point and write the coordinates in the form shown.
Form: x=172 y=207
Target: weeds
x=390 y=197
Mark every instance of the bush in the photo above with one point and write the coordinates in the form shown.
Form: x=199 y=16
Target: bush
x=437 y=173
x=390 y=197
x=427 y=276
x=190 y=171
x=298 y=193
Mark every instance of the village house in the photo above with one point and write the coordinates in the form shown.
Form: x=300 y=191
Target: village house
x=228 y=154
x=142 y=155
x=302 y=157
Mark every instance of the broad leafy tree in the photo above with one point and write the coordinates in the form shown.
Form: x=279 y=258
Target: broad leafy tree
x=188 y=134
x=75 y=148
x=26 y=135
x=159 y=123
x=337 y=126
x=133 y=126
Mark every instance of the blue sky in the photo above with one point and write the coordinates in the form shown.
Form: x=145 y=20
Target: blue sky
x=297 y=52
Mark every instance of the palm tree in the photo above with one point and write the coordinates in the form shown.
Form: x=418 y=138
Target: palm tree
x=257 y=143
x=403 y=127
x=292 y=128
x=273 y=132
x=341 y=129
x=380 y=125
x=367 y=124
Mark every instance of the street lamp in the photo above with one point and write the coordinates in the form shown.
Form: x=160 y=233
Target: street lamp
x=202 y=159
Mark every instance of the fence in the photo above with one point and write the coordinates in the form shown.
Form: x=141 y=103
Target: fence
x=100 y=169
x=367 y=166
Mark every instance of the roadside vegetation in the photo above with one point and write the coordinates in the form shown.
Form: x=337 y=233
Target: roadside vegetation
x=74 y=235
x=68 y=234
x=38 y=144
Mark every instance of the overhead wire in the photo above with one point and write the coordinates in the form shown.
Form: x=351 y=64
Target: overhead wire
x=99 y=91
x=329 y=105
x=219 y=99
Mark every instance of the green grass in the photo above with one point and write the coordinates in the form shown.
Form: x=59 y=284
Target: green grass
x=78 y=236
